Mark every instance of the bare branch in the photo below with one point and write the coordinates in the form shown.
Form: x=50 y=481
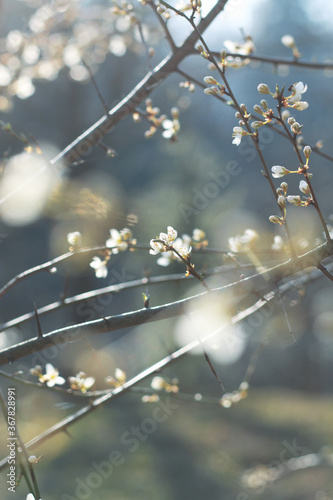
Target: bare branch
x=262 y=282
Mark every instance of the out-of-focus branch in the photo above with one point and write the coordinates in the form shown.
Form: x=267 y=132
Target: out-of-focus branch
x=262 y=476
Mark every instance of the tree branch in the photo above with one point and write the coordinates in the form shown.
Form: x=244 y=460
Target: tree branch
x=83 y=144
x=260 y=282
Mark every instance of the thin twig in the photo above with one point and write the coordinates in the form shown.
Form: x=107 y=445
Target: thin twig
x=325 y=271
x=88 y=68
x=254 y=137
x=276 y=61
x=306 y=175
x=163 y=24
x=39 y=328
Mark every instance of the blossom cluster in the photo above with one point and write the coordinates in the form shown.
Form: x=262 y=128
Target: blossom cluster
x=171 y=247
x=236 y=56
x=118 y=379
x=161 y=384
x=81 y=382
x=119 y=241
x=152 y=114
x=51 y=378
x=279 y=171
x=243 y=242
x=292 y=101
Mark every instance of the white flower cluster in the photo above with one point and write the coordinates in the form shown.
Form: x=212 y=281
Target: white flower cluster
x=165 y=241
x=51 y=376
x=243 y=242
x=183 y=246
x=81 y=382
x=292 y=101
x=119 y=241
x=243 y=49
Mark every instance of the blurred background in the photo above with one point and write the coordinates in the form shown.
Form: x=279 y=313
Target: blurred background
x=47 y=96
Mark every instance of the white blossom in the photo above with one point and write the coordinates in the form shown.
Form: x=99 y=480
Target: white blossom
x=74 y=238
x=156 y=247
x=237 y=133
x=242 y=242
x=297 y=90
x=51 y=377
x=158 y=383
x=81 y=382
x=117 y=240
x=100 y=266
x=198 y=234
x=288 y=41
x=244 y=49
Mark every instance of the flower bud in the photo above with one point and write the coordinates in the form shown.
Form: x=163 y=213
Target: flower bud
x=294 y=200
x=285 y=115
x=257 y=124
x=243 y=107
x=238 y=115
x=279 y=192
x=281 y=201
x=284 y=186
x=136 y=117
x=291 y=120
x=274 y=219
x=264 y=104
x=223 y=54
x=288 y=41
x=175 y=113
x=211 y=91
x=296 y=127
x=200 y=48
x=263 y=88
x=301 y=105
x=279 y=171
x=304 y=187
x=258 y=109
x=209 y=80
x=307 y=151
